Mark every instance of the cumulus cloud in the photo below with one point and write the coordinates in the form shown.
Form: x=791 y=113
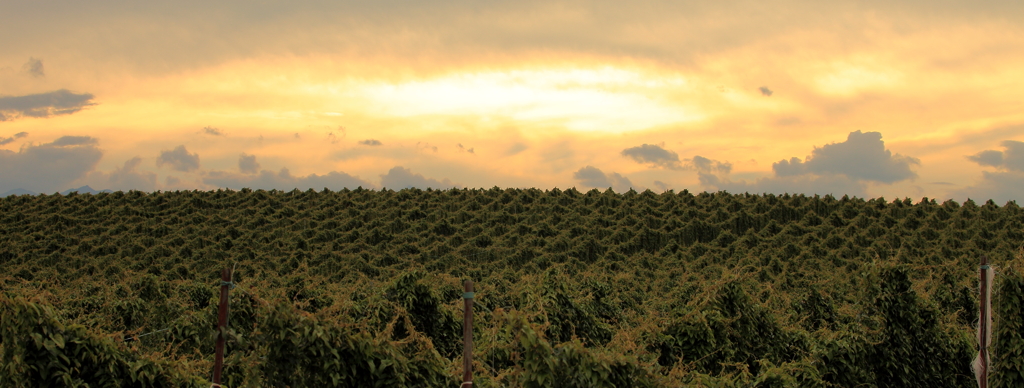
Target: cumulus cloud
x=988 y=158
x=399 y=178
x=127 y=177
x=9 y=140
x=34 y=67
x=464 y=149
x=1011 y=159
x=212 y=131
x=861 y=157
x=247 y=164
x=60 y=102
x=371 y=142
x=839 y=169
x=48 y=167
x=591 y=176
x=284 y=180
x=765 y=91
x=179 y=158
x=705 y=165
x=654 y=155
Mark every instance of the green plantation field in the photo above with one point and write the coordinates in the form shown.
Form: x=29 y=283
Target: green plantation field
x=363 y=288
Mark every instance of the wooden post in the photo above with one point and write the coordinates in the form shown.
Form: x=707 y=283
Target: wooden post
x=467 y=336
x=983 y=322
x=222 y=324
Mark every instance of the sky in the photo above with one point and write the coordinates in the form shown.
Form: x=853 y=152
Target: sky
x=865 y=98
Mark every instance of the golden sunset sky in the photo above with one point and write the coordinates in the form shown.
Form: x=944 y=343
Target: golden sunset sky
x=872 y=98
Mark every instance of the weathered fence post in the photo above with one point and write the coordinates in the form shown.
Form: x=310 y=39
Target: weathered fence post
x=467 y=336
x=981 y=363
x=222 y=324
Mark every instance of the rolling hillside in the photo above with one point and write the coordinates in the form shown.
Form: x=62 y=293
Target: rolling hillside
x=361 y=287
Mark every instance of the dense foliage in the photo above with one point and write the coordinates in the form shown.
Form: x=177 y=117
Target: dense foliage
x=363 y=288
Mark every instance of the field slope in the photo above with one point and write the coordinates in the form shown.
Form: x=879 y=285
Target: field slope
x=363 y=288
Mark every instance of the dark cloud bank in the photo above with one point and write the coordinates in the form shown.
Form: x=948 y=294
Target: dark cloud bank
x=48 y=167
x=54 y=166
x=1011 y=159
x=251 y=177
x=60 y=102
x=9 y=140
x=656 y=156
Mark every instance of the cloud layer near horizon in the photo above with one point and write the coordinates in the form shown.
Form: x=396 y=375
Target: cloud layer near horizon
x=48 y=167
x=844 y=168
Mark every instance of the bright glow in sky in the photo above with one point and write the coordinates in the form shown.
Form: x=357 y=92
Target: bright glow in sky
x=602 y=100
x=872 y=98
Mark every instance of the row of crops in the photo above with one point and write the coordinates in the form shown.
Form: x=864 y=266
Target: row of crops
x=360 y=288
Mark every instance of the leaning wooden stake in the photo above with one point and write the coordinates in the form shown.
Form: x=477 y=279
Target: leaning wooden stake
x=981 y=363
x=222 y=324
x=467 y=336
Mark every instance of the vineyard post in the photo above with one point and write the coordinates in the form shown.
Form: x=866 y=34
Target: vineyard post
x=467 y=335
x=984 y=320
x=222 y=324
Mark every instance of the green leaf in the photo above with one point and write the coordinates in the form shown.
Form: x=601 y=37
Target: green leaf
x=59 y=340
x=51 y=347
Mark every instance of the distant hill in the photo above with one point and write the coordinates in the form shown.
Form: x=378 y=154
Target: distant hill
x=18 y=192
x=81 y=190
x=85 y=190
